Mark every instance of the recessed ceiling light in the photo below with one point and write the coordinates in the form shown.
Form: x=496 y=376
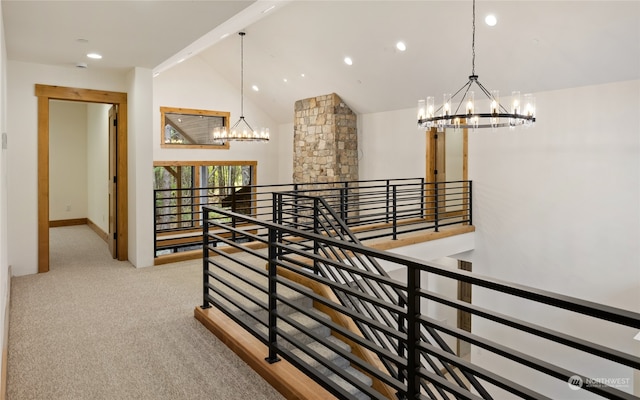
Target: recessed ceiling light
x=302 y=75
x=491 y=20
x=95 y=56
x=255 y=88
x=285 y=80
x=401 y=46
x=348 y=61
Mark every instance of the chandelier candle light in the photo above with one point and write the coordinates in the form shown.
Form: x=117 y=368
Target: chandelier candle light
x=241 y=130
x=466 y=115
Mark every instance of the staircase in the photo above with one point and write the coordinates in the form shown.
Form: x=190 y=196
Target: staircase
x=247 y=300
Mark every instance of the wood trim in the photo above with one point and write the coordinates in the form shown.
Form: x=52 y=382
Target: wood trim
x=67 y=222
x=431 y=155
x=419 y=237
x=465 y=154
x=202 y=163
x=177 y=257
x=122 y=169
x=103 y=235
x=43 y=183
x=46 y=93
x=196 y=146
x=283 y=376
x=76 y=94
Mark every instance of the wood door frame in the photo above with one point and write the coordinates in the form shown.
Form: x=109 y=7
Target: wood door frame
x=44 y=94
x=435 y=141
x=431 y=152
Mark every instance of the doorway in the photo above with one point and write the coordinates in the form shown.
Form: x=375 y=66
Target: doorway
x=446 y=155
x=446 y=161
x=119 y=100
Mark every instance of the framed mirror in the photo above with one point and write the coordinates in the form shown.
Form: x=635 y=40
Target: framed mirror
x=183 y=128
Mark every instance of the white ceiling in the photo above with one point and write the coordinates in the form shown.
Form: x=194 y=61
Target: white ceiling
x=127 y=33
x=536 y=45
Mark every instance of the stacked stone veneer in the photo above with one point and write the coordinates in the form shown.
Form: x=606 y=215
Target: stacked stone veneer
x=325 y=141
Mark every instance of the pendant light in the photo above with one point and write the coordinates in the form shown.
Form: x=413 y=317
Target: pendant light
x=241 y=130
x=465 y=113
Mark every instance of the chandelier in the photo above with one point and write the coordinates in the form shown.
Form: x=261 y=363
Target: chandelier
x=241 y=130
x=465 y=114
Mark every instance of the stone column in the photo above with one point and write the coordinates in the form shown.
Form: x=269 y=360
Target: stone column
x=325 y=138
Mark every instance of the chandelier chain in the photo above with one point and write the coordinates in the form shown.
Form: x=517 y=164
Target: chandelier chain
x=242 y=74
x=473 y=41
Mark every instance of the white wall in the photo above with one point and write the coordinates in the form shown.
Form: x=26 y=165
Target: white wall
x=140 y=163
x=67 y=160
x=555 y=207
x=285 y=153
x=98 y=164
x=22 y=158
x=391 y=145
x=5 y=269
x=194 y=84
x=78 y=162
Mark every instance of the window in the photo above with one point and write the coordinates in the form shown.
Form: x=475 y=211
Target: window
x=182 y=188
x=189 y=128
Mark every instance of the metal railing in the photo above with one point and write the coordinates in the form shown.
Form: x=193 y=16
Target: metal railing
x=326 y=222
x=305 y=253
x=371 y=208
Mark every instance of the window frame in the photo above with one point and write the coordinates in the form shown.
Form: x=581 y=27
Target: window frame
x=190 y=111
x=197 y=175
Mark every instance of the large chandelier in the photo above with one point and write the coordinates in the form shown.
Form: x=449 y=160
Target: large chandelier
x=465 y=114
x=241 y=130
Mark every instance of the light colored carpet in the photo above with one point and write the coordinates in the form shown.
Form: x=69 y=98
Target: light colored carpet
x=96 y=328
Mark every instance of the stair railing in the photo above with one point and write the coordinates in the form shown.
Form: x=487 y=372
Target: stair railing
x=328 y=223
x=297 y=259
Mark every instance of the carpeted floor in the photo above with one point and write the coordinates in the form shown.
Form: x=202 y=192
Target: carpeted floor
x=95 y=328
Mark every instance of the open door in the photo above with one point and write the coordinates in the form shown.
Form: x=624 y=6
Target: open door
x=113 y=181
x=446 y=157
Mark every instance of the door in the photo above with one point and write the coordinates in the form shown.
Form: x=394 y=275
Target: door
x=446 y=157
x=113 y=181
x=436 y=173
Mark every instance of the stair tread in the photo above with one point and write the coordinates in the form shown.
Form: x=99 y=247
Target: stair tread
x=348 y=386
x=326 y=353
x=249 y=306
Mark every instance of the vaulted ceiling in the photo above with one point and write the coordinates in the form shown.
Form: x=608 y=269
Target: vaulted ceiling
x=535 y=46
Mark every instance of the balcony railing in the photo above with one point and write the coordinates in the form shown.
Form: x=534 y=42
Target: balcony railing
x=312 y=245
x=371 y=208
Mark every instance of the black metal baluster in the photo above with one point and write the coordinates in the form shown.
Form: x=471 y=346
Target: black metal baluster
x=273 y=300
x=413 y=332
x=205 y=260
x=394 y=212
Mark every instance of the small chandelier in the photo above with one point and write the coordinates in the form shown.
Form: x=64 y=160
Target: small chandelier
x=241 y=130
x=465 y=114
